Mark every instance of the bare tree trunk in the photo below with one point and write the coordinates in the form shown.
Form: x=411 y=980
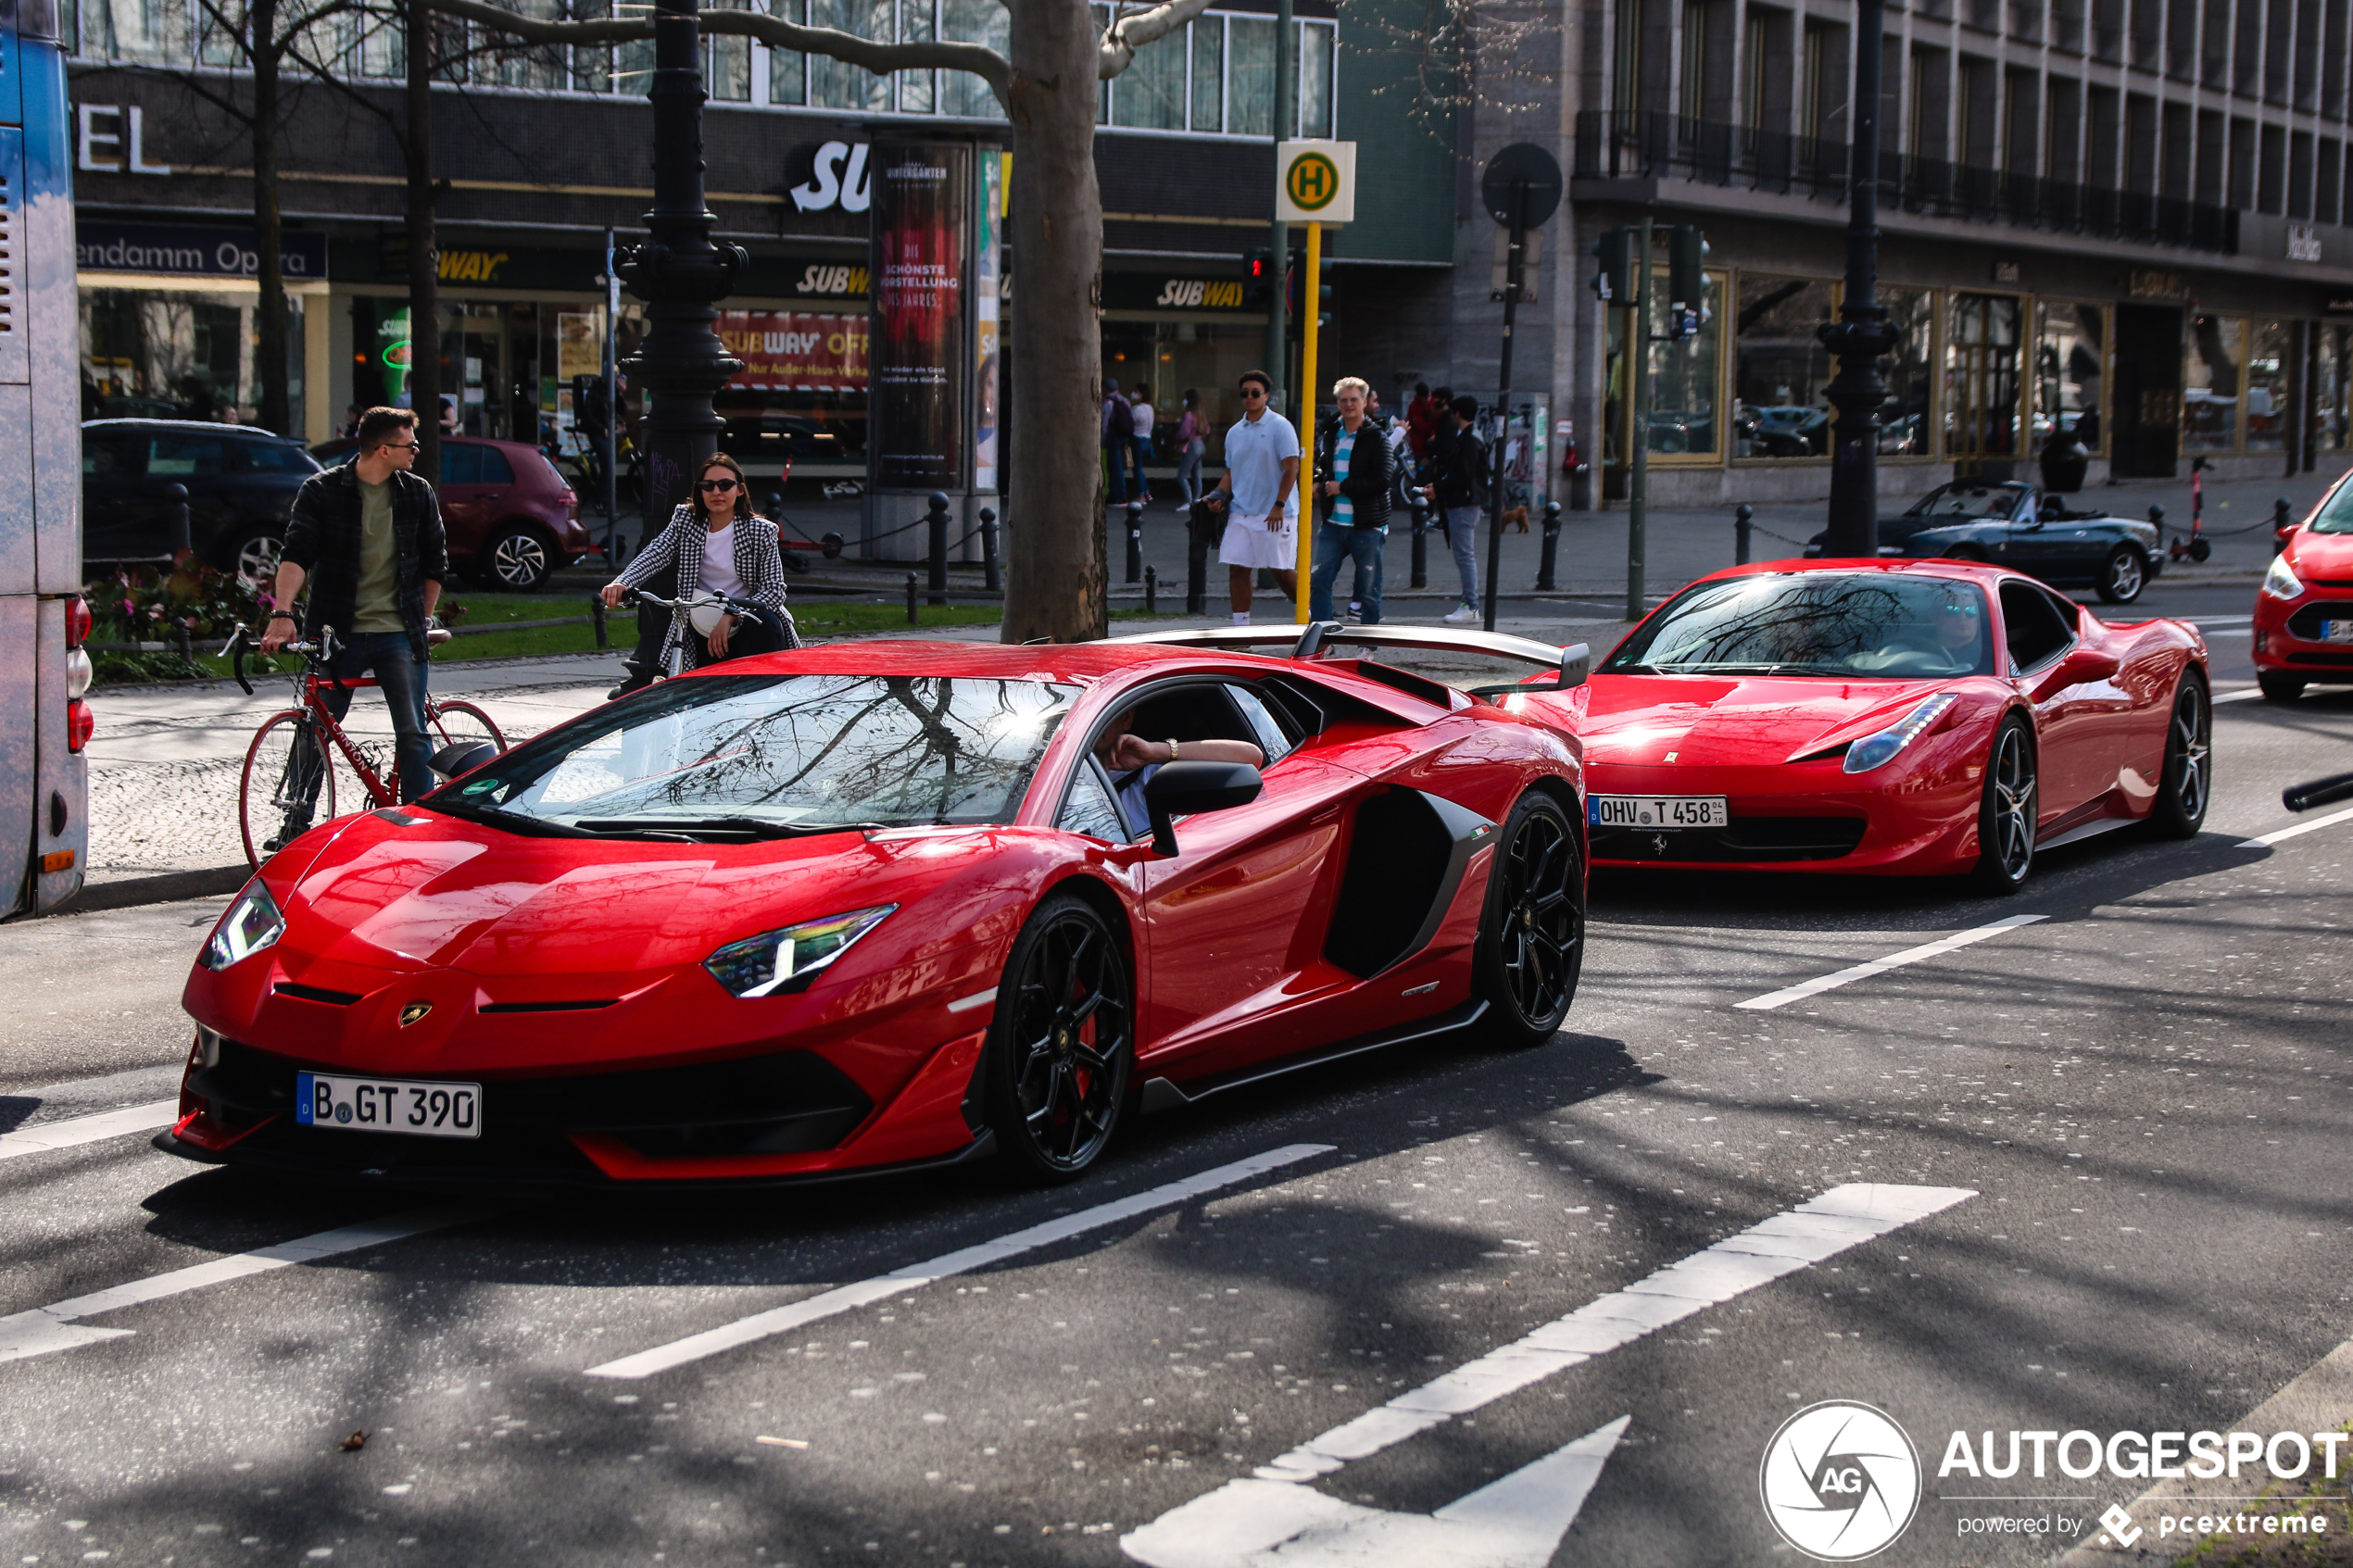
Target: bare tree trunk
x=263 y=48
x=424 y=260
x=1056 y=569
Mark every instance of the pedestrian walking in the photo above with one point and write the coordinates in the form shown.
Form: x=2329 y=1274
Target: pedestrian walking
x=715 y=542
x=1118 y=424
x=1353 y=452
x=1458 y=486
x=366 y=537
x=1259 y=493
x=1139 y=437
x=1192 y=445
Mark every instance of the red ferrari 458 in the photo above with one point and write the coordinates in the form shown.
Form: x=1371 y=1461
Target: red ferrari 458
x=1914 y=717
x=892 y=905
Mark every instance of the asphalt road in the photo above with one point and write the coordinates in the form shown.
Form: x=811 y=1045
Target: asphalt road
x=2141 y=1097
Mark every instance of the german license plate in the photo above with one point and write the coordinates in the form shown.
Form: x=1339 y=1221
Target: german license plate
x=2336 y=631
x=388 y=1105
x=1657 y=812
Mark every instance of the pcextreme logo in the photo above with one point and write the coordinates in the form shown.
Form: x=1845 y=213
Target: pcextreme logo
x=1841 y=1481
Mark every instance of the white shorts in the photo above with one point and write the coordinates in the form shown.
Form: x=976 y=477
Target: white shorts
x=1251 y=542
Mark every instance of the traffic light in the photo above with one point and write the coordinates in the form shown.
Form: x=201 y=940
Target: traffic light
x=1323 y=291
x=1686 y=281
x=1294 y=279
x=1258 y=271
x=1614 y=283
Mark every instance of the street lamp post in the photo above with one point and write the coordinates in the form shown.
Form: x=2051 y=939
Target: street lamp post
x=1862 y=334
x=680 y=274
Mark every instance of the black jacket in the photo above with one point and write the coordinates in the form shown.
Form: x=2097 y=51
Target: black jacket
x=1369 y=464
x=1459 y=466
x=322 y=537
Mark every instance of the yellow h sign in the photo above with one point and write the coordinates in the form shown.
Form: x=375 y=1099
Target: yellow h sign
x=1315 y=182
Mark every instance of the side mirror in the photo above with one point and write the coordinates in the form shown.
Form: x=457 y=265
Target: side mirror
x=2081 y=665
x=462 y=757
x=1178 y=789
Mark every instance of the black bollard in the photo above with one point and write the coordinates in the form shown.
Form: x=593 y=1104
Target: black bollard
x=2280 y=518
x=1152 y=590
x=989 y=570
x=175 y=519
x=1551 y=545
x=1743 y=522
x=913 y=618
x=937 y=518
x=1135 y=541
x=775 y=505
x=1197 y=531
x=1420 y=510
x=596 y=618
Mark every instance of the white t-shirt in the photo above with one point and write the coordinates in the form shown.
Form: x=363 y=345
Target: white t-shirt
x=719 y=563
x=1255 y=454
x=1143 y=415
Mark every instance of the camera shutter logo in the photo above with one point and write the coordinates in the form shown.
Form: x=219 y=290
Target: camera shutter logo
x=1841 y=1481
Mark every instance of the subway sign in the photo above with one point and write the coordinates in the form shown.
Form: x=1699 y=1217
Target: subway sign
x=1147 y=291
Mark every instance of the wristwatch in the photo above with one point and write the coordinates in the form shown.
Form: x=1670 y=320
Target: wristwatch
x=1171 y=751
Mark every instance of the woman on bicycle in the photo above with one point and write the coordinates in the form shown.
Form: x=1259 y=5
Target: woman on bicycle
x=719 y=546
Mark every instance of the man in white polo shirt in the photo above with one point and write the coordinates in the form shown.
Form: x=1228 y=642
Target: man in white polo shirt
x=1260 y=497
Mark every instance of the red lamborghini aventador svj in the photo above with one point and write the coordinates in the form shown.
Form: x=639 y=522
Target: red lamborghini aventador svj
x=887 y=905
x=1910 y=717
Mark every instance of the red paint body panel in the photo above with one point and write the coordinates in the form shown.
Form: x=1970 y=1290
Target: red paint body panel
x=385 y=910
x=1760 y=741
x=2287 y=636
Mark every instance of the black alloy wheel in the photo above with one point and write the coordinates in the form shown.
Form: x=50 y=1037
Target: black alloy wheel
x=2008 y=812
x=2188 y=780
x=1062 y=1043
x=1531 y=939
x=2278 y=686
x=2122 y=575
x=517 y=560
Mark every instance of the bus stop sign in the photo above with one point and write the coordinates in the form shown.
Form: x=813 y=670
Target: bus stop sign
x=1529 y=167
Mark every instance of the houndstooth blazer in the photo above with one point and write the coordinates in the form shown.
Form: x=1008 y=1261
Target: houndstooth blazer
x=758 y=563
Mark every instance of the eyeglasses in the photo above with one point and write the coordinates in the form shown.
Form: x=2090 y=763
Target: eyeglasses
x=1254 y=391
x=719 y=484
x=401 y=446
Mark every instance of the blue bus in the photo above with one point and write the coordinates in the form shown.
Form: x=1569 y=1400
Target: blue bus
x=44 y=671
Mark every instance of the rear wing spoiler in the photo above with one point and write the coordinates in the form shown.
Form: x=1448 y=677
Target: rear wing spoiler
x=1569 y=665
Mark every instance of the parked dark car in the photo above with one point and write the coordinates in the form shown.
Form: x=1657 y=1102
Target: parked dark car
x=2017 y=525
x=240 y=483
x=510 y=517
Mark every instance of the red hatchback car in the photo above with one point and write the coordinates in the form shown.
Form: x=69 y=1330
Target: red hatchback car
x=2304 y=611
x=511 y=517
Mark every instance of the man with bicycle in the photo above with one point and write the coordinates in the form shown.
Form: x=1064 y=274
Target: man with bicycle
x=366 y=537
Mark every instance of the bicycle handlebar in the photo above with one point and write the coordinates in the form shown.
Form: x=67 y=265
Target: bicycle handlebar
x=241 y=642
x=723 y=600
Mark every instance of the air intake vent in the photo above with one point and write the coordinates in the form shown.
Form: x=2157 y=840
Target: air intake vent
x=315 y=994
x=544 y=1007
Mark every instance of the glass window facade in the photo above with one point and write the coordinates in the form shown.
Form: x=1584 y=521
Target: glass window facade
x=1981 y=353
x=173 y=354
x=2212 y=382
x=2330 y=361
x=2071 y=372
x=1779 y=366
x=1910 y=372
x=2267 y=384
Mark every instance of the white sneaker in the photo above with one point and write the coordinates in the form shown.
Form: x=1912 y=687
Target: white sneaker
x=1464 y=616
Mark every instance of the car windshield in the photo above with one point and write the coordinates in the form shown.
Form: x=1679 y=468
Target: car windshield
x=1967 y=500
x=770 y=756
x=1849 y=624
x=2335 y=515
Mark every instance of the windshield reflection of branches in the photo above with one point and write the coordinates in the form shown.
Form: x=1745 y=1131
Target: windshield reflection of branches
x=900 y=749
x=1805 y=625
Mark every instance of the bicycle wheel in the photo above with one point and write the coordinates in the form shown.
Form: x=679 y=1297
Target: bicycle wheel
x=285 y=786
x=453 y=722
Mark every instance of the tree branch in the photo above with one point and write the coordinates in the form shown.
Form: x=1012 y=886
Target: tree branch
x=1124 y=37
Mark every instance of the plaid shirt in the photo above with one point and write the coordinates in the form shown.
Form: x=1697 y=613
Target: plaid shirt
x=758 y=563
x=322 y=537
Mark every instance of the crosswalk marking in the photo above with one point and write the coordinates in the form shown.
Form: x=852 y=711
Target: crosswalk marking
x=843 y=1298
x=1880 y=966
x=46 y=1135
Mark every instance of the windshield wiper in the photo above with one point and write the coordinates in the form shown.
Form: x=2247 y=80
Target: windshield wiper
x=747 y=827
x=508 y=821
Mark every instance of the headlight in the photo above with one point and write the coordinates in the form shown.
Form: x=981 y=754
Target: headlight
x=788 y=959
x=252 y=923
x=1878 y=750
x=2281 y=583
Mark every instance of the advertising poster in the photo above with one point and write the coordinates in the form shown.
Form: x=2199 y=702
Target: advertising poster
x=580 y=346
x=923 y=231
x=987 y=294
x=796 y=350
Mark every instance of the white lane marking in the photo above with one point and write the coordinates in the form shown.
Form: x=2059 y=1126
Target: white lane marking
x=2248 y=695
x=2227 y=631
x=52 y=1327
x=1515 y=1523
x=2298 y=831
x=47 y=1135
x=1844 y=1217
x=979 y=998
x=1880 y=966
x=843 y=1298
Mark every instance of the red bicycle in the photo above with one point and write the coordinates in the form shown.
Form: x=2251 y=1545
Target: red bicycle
x=302 y=766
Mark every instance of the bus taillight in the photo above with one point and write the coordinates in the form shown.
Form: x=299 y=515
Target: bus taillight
x=80 y=724
x=77 y=623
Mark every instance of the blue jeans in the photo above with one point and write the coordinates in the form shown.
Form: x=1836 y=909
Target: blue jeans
x=400 y=675
x=1462 y=537
x=1333 y=545
x=1116 y=449
x=1140 y=445
x=1189 y=469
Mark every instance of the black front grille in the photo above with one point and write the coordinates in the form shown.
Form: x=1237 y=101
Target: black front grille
x=2306 y=622
x=2331 y=660
x=1749 y=839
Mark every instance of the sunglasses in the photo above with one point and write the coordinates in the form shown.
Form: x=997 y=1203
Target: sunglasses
x=400 y=445
x=720 y=484
x=1254 y=391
